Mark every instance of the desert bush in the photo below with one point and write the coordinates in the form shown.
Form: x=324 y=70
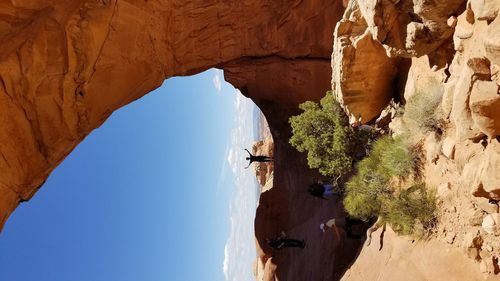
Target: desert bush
x=373 y=191
x=422 y=112
x=323 y=131
x=413 y=205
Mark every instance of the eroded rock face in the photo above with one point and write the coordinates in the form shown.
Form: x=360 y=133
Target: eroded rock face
x=65 y=66
x=373 y=43
x=462 y=155
x=485 y=104
x=481 y=173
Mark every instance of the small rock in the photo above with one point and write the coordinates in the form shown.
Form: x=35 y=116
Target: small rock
x=481 y=67
x=490 y=223
x=452 y=209
x=476 y=218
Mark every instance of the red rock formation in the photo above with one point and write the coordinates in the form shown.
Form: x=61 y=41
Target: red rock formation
x=373 y=42
x=454 y=53
x=66 y=65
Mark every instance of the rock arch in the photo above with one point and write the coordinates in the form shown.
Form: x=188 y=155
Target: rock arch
x=65 y=66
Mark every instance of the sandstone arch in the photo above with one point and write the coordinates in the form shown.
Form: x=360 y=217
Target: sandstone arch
x=65 y=66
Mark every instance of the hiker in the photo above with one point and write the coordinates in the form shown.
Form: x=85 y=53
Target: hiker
x=257 y=158
x=321 y=190
x=282 y=241
x=346 y=223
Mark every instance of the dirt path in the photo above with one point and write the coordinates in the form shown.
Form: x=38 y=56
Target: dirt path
x=288 y=207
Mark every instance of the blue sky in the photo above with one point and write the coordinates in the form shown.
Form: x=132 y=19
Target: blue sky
x=158 y=192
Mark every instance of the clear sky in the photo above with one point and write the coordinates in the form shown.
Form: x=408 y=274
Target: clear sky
x=158 y=192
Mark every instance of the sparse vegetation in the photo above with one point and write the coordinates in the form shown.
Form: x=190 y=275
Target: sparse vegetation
x=386 y=183
x=415 y=205
x=422 y=113
x=323 y=132
x=380 y=188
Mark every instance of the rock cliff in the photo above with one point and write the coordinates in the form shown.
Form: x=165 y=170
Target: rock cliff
x=387 y=50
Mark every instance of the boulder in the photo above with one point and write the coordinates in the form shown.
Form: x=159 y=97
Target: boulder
x=481 y=173
x=485 y=9
x=492 y=43
x=476 y=218
x=491 y=224
x=484 y=105
x=363 y=77
x=477 y=70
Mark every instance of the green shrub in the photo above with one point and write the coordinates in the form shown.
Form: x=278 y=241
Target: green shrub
x=372 y=192
x=394 y=156
x=323 y=132
x=410 y=206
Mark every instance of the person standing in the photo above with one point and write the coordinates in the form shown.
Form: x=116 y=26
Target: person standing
x=257 y=158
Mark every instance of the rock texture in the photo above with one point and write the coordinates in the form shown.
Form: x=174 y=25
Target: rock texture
x=402 y=259
x=65 y=66
x=373 y=42
x=461 y=62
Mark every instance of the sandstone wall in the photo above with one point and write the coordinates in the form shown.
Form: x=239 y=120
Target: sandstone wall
x=386 y=50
